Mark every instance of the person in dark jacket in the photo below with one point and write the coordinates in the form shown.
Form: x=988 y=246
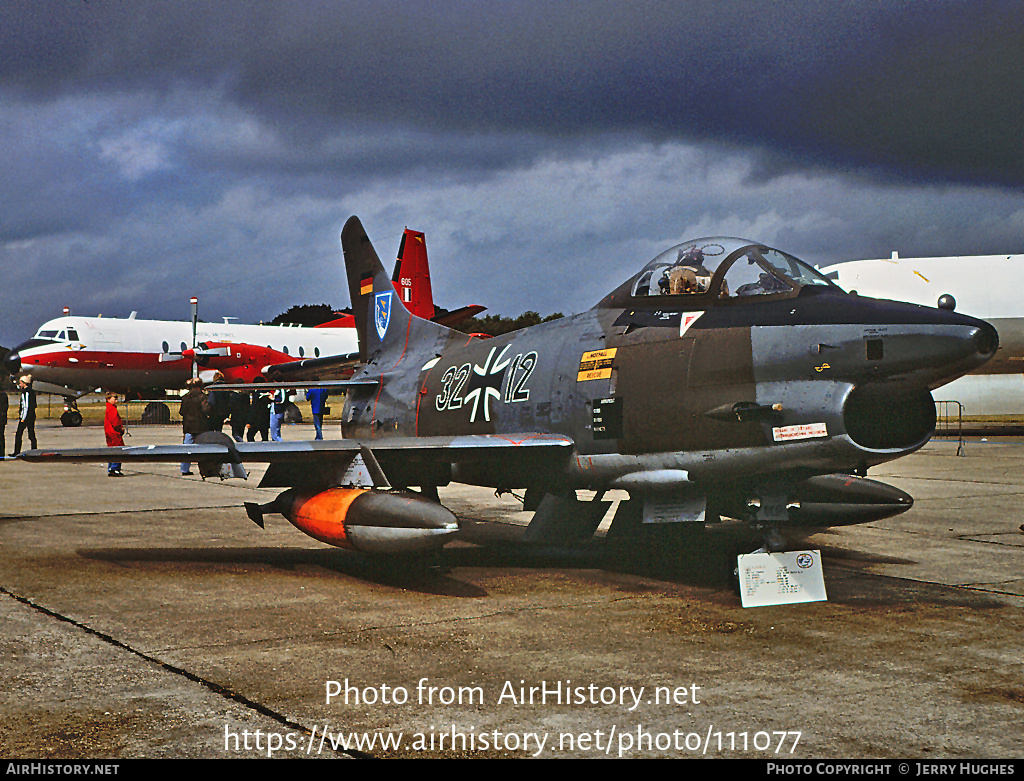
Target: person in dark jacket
x=26 y=414
x=113 y=429
x=4 y=406
x=219 y=404
x=259 y=416
x=239 y=414
x=194 y=411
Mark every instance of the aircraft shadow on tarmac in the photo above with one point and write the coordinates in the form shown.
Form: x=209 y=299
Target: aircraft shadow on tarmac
x=703 y=562
x=709 y=563
x=423 y=575
x=672 y=555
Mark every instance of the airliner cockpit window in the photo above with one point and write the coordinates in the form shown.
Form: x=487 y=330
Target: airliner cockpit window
x=46 y=335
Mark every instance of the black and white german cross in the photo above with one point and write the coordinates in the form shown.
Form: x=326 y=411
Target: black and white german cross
x=485 y=383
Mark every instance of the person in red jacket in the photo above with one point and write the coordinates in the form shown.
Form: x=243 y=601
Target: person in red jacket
x=113 y=427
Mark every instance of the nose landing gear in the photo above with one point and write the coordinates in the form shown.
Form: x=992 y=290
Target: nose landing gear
x=71 y=417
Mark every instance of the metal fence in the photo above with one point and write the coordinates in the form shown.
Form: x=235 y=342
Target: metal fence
x=949 y=421
x=152 y=411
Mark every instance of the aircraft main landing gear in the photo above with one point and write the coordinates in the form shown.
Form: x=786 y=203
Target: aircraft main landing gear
x=71 y=417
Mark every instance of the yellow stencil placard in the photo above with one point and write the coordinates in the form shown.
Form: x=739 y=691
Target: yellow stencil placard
x=596 y=365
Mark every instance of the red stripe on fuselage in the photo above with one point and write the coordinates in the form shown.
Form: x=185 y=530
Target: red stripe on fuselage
x=78 y=359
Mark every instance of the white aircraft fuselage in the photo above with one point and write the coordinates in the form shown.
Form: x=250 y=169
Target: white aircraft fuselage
x=84 y=353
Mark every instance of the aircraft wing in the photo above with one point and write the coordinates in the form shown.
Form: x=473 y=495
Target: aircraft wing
x=295 y=463
x=60 y=390
x=456 y=316
x=291 y=384
x=454 y=447
x=329 y=367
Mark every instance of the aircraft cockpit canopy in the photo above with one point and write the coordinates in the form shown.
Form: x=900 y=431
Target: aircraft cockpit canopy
x=724 y=269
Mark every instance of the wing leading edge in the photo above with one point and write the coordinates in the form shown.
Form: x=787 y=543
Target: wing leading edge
x=399 y=461
x=453 y=448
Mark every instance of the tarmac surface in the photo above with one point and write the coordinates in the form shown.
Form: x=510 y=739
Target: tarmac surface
x=148 y=617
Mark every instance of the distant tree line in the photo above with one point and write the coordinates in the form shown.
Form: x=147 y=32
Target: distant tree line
x=311 y=315
x=495 y=325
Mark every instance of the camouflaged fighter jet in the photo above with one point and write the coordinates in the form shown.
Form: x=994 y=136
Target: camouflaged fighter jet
x=725 y=378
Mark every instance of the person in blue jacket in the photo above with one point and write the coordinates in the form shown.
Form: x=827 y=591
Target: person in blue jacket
x=317 y=398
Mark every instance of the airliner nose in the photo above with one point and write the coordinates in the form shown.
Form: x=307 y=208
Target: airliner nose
x=12 y=362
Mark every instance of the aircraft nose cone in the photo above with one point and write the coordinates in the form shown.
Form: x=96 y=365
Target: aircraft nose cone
x=12 y=362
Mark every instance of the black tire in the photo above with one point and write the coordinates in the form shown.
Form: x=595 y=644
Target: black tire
x=71 y=418
x=292 y=414
x=156 y=412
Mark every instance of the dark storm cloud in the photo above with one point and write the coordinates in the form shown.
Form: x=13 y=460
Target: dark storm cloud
x=157 y=150
x=930 y=90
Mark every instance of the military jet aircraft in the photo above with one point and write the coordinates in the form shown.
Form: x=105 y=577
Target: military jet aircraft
x=724 y=379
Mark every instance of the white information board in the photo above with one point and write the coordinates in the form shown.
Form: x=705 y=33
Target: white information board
x=781 y=578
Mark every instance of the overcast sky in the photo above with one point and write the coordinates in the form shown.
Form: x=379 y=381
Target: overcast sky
x=152 y=151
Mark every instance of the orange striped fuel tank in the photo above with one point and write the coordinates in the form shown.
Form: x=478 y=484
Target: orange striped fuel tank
x=364 y=520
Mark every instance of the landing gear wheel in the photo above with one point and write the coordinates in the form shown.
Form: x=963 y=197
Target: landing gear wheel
x=72 y=418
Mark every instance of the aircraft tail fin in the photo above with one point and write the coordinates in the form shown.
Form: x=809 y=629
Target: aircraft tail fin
x=383 y=324
x=412 y=275
x=412 y=281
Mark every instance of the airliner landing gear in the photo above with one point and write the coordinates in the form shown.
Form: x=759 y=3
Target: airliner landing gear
x=71 y=417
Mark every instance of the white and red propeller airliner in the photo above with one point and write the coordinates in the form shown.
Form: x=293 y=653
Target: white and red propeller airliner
x=73 y=355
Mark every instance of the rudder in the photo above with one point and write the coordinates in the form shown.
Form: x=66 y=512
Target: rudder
x=412 y=275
